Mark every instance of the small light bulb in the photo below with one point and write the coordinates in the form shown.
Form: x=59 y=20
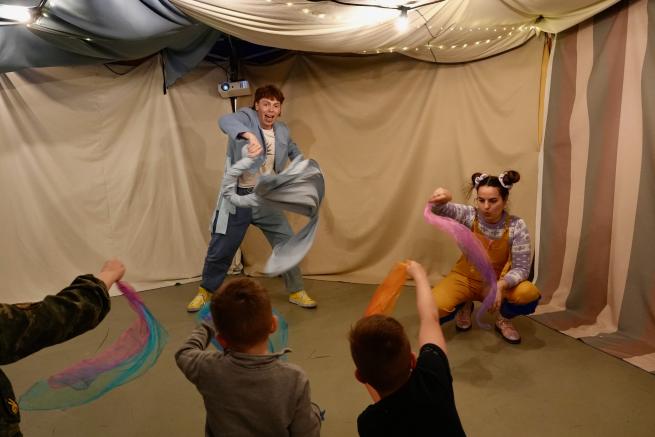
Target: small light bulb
x=402 y=22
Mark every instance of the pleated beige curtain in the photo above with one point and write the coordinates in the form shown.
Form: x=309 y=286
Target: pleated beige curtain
x=96 y=164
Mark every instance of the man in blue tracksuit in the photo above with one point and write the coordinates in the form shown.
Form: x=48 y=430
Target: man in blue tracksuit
x=257 y=128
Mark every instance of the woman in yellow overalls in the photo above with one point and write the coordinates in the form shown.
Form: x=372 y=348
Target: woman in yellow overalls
x=507 y=241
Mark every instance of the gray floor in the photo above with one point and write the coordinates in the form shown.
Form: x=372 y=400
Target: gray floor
x=550 y=385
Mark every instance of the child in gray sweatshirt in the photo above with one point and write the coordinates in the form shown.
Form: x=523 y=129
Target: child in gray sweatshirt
x=247 y=390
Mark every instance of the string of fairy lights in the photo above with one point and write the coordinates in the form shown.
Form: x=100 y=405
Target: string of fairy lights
x=486 y=39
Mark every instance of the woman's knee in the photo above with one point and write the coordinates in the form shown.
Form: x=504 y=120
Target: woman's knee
x=524 y=293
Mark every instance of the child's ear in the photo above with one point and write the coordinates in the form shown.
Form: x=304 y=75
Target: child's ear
x=412 y=361
x=274 y=323
x=359 y=377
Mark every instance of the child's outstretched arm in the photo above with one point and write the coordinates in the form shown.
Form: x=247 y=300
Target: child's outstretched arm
x=429 y=329
x=189 y=356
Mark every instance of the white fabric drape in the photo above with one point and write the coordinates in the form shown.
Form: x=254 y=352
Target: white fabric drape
x=450 y=31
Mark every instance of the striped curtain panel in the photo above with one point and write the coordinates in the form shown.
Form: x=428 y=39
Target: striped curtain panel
x=595 y=262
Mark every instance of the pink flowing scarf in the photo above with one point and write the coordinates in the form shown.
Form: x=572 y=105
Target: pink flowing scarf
x=131 y=355
x=472 y=249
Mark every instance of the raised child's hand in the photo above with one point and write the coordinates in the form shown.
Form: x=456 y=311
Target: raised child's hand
x=415 y=270
x=111 y=271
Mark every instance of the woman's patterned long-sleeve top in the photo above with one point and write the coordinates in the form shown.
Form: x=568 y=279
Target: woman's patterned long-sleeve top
x=519 y=237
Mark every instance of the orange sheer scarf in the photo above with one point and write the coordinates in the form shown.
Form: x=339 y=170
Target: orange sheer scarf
x=385 y=297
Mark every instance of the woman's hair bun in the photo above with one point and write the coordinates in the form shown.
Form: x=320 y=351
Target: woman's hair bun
x=511 y=177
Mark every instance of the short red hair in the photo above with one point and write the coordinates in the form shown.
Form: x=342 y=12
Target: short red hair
x=270 y=92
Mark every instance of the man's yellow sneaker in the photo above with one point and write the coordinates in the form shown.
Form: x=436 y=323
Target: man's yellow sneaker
x=197 y=302
x=301 y=298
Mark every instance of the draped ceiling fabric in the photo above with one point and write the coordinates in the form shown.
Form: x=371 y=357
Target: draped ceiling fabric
x=87 y=177
x=597 y=221
x=78 y=32
x=82 y=32
x=450 y=31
